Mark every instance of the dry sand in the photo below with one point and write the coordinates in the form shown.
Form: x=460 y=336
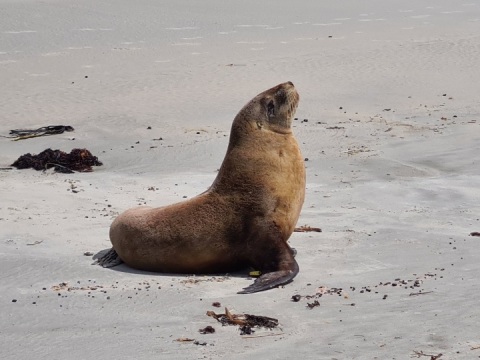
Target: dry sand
x=389 y=121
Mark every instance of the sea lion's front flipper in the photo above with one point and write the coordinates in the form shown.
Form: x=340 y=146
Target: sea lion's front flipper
x=269 y=253
x=108 y=259
x=271 y=280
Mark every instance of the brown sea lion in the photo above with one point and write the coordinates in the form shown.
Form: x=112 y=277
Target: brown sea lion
x=246 y=216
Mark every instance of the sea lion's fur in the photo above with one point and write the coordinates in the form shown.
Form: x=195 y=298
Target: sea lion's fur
x=247 y=215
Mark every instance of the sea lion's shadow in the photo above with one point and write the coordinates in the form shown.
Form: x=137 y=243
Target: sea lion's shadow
x=241 y=273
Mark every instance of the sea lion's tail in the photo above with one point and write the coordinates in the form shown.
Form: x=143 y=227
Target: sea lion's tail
x=107 y=259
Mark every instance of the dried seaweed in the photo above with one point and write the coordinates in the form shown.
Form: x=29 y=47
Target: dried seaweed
x=421 y=353
x=313 y=304
x=246 y=330
x=21 y=134
x=80 y=160
x=207 y=330
x=245 y=321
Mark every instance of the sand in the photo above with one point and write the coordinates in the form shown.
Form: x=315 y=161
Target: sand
x=388 y=120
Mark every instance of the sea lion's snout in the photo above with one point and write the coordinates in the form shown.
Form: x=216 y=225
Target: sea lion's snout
x=290 y=93
x=280 y=103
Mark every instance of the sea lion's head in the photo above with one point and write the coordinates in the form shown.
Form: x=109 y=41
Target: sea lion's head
x=272 y=109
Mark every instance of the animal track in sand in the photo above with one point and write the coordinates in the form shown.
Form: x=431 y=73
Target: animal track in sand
x=127 y=49
x=182 y=28
x=249 y=26
x=39 y=75
x=327 y=24
x=91 y=29
x=304 y=38
x=251 y=42
x=20 y=32
x=57 y=53
x=78 y=47
x=186 y=44
x=420 y=16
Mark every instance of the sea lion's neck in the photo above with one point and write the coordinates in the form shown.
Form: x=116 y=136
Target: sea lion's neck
x=246 y=151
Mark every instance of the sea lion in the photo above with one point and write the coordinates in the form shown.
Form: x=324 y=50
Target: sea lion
x=246 y=216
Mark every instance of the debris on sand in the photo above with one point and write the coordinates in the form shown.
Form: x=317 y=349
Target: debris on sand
x=314 y=304
x=245 y=321
x=246 y=330
x=421 y=353
x=207 y=330
x=201 y=343
x=64 y=286
x=184 y=339
x=296 y=298
x=322 y=290
x=80 y=160
x=475 y=233
x=20 y=134
x=306 y=228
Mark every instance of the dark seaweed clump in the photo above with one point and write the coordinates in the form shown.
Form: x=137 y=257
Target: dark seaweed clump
x=80 y=160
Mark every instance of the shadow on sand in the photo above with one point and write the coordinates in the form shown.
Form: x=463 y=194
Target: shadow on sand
x=239 y=273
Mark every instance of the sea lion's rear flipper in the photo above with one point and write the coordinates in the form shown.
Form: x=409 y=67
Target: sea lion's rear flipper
x=108 y=259
x=271 y=280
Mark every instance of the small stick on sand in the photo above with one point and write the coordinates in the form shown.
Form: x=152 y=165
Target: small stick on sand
x=420 y=293
x=421 y=353
x=36 y=242
x=306 y=228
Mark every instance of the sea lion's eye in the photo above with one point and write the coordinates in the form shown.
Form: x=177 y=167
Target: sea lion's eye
x=271 y=108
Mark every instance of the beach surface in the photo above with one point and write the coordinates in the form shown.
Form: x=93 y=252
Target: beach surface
x=388 y=123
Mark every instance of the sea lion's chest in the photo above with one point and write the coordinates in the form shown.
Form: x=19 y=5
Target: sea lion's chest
x=284 y=177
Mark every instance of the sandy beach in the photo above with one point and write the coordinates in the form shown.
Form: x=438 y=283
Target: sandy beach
x=388 y=123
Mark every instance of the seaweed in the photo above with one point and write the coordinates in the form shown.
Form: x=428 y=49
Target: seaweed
x=21 y=134
x=245 y=321
x=80 y=160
